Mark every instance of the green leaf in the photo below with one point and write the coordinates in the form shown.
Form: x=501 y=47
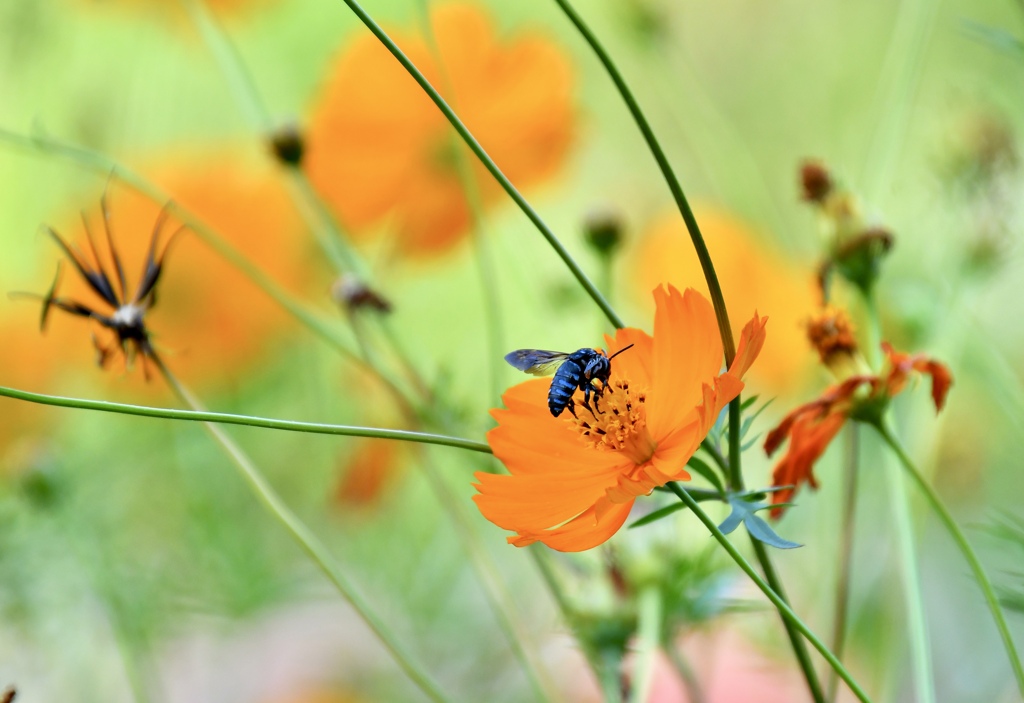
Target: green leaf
x=698 y=495
x=744 y=512
x=658 y=514
x=745 y=427
x=752 y=442
x=762 y=532
x=702 y=468
x=748 y=402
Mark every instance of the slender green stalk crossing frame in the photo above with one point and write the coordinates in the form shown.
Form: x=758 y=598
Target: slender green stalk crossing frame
x=246 y=420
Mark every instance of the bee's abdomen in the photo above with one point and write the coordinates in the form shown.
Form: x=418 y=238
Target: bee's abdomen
x=563 y=385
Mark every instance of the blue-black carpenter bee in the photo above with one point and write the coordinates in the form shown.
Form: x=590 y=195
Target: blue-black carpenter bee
x=576 y=370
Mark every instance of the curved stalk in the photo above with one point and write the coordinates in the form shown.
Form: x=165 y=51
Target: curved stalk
x=649 y=616
x=717 y=299
x=246 y=420
x=784 y=610
x=935 y=502
x=474 y=202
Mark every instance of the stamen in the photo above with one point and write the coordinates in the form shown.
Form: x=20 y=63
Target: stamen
x=621 y=425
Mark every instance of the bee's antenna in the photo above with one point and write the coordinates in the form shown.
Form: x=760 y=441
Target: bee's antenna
x=619 y=352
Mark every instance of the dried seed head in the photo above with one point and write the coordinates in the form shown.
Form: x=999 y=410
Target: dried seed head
x=815 y=181
x=352 y=293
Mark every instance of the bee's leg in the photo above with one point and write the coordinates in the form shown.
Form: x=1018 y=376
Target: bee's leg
x=571 y=407
x=598 y=392
x=586 y=398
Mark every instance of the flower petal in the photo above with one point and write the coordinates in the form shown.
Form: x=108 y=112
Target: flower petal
x=808 y=440
x=687 y=354
x=751 y=340
x=582 y=533
x=634 y=364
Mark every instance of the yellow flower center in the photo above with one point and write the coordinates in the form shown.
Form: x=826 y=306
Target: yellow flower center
x=616 y=421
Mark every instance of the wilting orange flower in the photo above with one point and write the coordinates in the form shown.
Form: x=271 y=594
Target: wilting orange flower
x=378 y=146
x=574 y=480
x=752 y=274
x=811 y=427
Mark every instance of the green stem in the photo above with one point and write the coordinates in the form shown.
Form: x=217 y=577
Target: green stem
x=897 y=87
x=242 y=85
x=315 y=549
x=239 y=81
x=487 y=161
x=694 y=691
x=717 y=299
x=542 y=559
x=917 y=625
x=474 y=201
x=781 y=605
x=247 y=420
x=842 y=600
x=494 y=585
x=796 y=642
x=965 y=549
x=108 y=167
x=799 y=647
x=649 y=616
x=920 y=647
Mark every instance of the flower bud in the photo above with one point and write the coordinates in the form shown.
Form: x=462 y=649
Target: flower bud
x=288 y=145
x=859 y=258
x=602 y=230
x=352 y=293
x=815 y=181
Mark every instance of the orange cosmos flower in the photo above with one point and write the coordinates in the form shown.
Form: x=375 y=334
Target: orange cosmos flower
x=811 y=427
x=574 y=480
x=378 y=146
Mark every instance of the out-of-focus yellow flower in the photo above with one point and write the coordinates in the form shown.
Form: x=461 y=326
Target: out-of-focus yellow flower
x=377 y=146
x=210 y=320
x=574 y=480
x=752 y=276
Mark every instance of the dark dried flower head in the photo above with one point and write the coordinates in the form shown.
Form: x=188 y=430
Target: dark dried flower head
x=288 y=145
x=352 y=293
x=831 y=333
x=815 y=181
x=125 y=320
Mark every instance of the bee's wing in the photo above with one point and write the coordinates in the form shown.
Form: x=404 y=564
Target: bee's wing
x=536 y=361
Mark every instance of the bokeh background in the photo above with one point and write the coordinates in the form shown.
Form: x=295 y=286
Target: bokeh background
x=135 y=565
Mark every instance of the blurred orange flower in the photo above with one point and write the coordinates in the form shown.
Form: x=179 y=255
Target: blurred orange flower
x=752 y=275
x=210 y=320
x=378 y=146
x=811 y=427
x=368 y=471
x=573 y=481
